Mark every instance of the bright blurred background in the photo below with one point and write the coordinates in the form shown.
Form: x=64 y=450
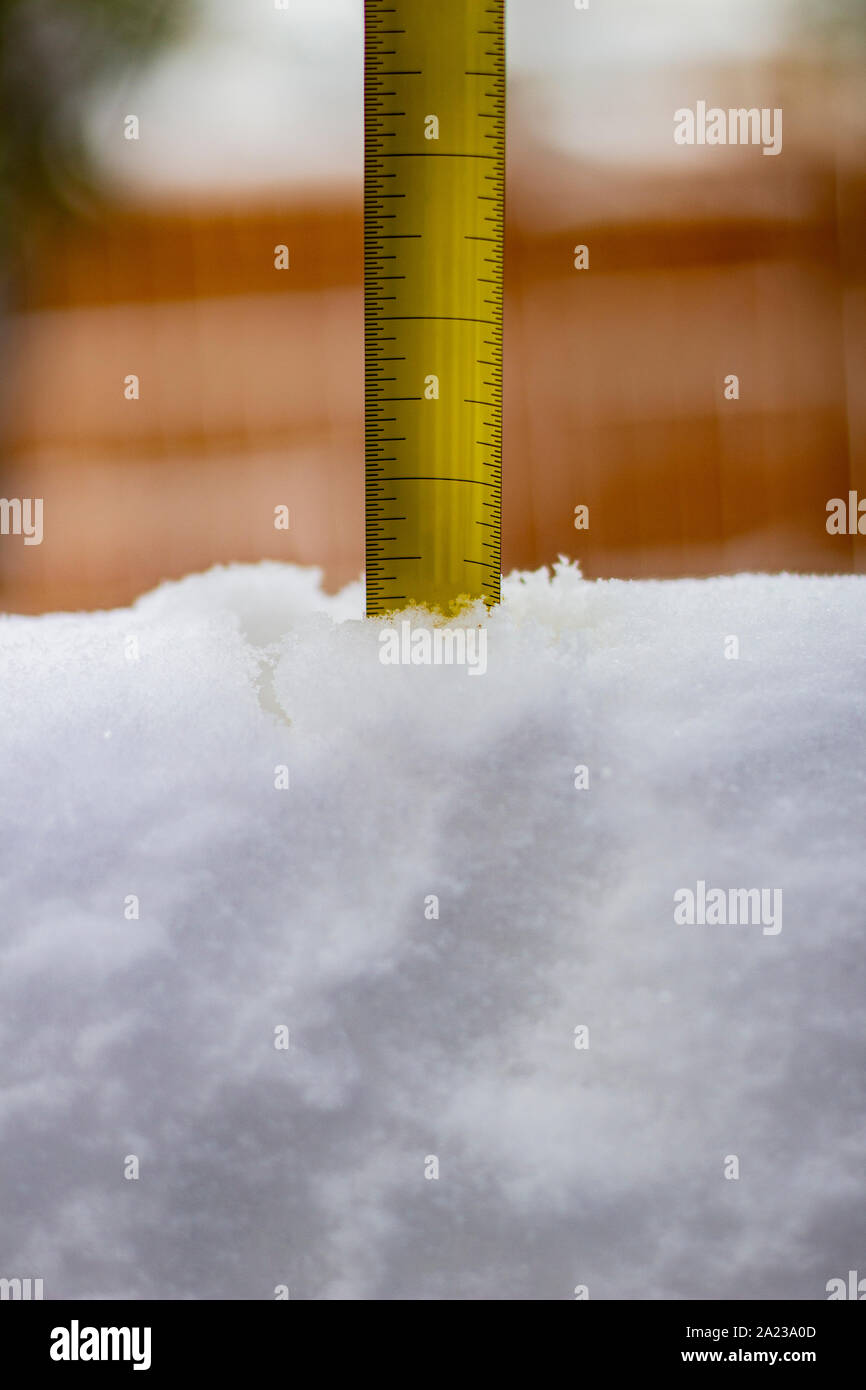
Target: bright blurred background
x=156 y=257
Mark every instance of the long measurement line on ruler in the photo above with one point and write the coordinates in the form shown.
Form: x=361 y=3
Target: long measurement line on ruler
x=433 y=243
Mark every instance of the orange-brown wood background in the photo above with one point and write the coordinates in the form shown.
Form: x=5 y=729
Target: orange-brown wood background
x=252 y=382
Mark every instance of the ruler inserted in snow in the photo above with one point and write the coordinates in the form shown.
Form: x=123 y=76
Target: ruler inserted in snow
x=434 y=182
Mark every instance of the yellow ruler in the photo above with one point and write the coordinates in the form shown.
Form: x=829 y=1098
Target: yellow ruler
x=434 y=88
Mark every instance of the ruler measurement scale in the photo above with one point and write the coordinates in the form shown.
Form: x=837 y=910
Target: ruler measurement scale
x=434 y=88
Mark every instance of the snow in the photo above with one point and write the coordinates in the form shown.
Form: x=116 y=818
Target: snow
x=258 y=98
x=148 y=768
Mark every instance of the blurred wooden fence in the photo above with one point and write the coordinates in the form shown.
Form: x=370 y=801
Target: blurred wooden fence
x=251 y=390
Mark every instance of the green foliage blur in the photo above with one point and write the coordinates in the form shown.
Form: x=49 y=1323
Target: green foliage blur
x=838 y=25
x=52 y=52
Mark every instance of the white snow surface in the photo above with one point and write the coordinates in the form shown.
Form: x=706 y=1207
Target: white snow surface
x=453 y=1037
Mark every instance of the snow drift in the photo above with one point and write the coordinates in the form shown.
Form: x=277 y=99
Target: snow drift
x=168 y=906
